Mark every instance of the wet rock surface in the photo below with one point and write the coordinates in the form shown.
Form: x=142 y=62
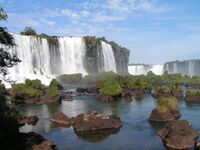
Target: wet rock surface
x=93 y=121
x=104 y=97
x=81 y=90
x=178 y=134
x=35 y=141
x=158 y=116
x=61 y=119
x=177 y=95
x=30 y=120
x=192 y=99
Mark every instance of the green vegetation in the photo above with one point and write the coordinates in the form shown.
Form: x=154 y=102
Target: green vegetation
x=53 y=91
x=91 y=41
x=8 y=117
x=170 y=89
x=110 y=87
x=167 y=104
x=139 y=85
x=70 y=78
x=29 y=31
x=6 y=41
x=193 y=93
x=53 y=88
x=92 y=78
x=30 y=87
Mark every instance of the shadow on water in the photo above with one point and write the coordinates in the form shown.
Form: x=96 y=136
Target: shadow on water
x=157 y=125
x=97 y=136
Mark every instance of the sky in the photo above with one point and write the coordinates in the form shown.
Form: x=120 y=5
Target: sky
x=155 y=31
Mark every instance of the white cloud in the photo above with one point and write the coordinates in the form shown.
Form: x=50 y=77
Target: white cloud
x=67 y=12
x=129 y=6
x=103 y=17
x=85 y=13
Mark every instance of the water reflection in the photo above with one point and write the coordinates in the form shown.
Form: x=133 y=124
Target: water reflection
x=137 y=132
x=97 y=136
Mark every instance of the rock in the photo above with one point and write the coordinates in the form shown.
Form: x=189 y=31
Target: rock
x=35 y=141
x=17 y=94
x=197 y=145
x=127 y=95
x=66 y=97
x=61 y=119
x=92 y=90
x=30 y=120
x=46 y=145
x=104 y=97
x=177 y=95
x=164 y=116
x=178 y=135
x=69 y=92
x=192 y=99
x=50 y=99
x=81 y=90
x=93 y=121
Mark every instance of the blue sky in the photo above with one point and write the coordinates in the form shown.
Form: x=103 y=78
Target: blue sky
x=155 y=31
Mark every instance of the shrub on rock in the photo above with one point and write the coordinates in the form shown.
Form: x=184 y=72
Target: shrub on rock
x=192 y=96
x=166 y=110
x=110 y=87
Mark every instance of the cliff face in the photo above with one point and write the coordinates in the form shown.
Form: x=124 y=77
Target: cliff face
x=187 y=67
x=96 y=52
x=121 y=58
x=43 y=57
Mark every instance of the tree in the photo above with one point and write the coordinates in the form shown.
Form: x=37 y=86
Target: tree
x=28 y=31
x=6 y=40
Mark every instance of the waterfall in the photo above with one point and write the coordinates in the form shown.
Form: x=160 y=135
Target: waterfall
x=72 y=52
x=187 y=67
x=144 y=69
x=46 y=58
x=40 y=60
x=109 y=59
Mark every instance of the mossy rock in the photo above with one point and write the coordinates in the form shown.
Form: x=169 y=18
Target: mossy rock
x=110 y=87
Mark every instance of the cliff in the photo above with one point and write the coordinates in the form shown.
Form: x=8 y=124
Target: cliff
x=186 y=67
x=44 y=57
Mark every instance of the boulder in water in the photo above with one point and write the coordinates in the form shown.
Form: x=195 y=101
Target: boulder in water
x=104 y=97
x=93 y=121
x=30 y=120
x=61 y=119
x=178 y=134
x=92 y=90
x=158 y=116
x=81 y=90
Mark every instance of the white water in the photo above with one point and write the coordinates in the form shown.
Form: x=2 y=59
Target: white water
x=144 y=69
x=109 y=59
x=39 y=60
x=188 y=67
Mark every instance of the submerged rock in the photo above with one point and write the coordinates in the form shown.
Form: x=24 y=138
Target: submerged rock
x=156 y=115
x=192 y=99
x=104 y=97
x=178 y=135
x=35 y=141
x=61 y=119
x=93 y=121
x=92 y=90
x=30 y=120
x=81 y=90
x=127 y=95
x=46 y=145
